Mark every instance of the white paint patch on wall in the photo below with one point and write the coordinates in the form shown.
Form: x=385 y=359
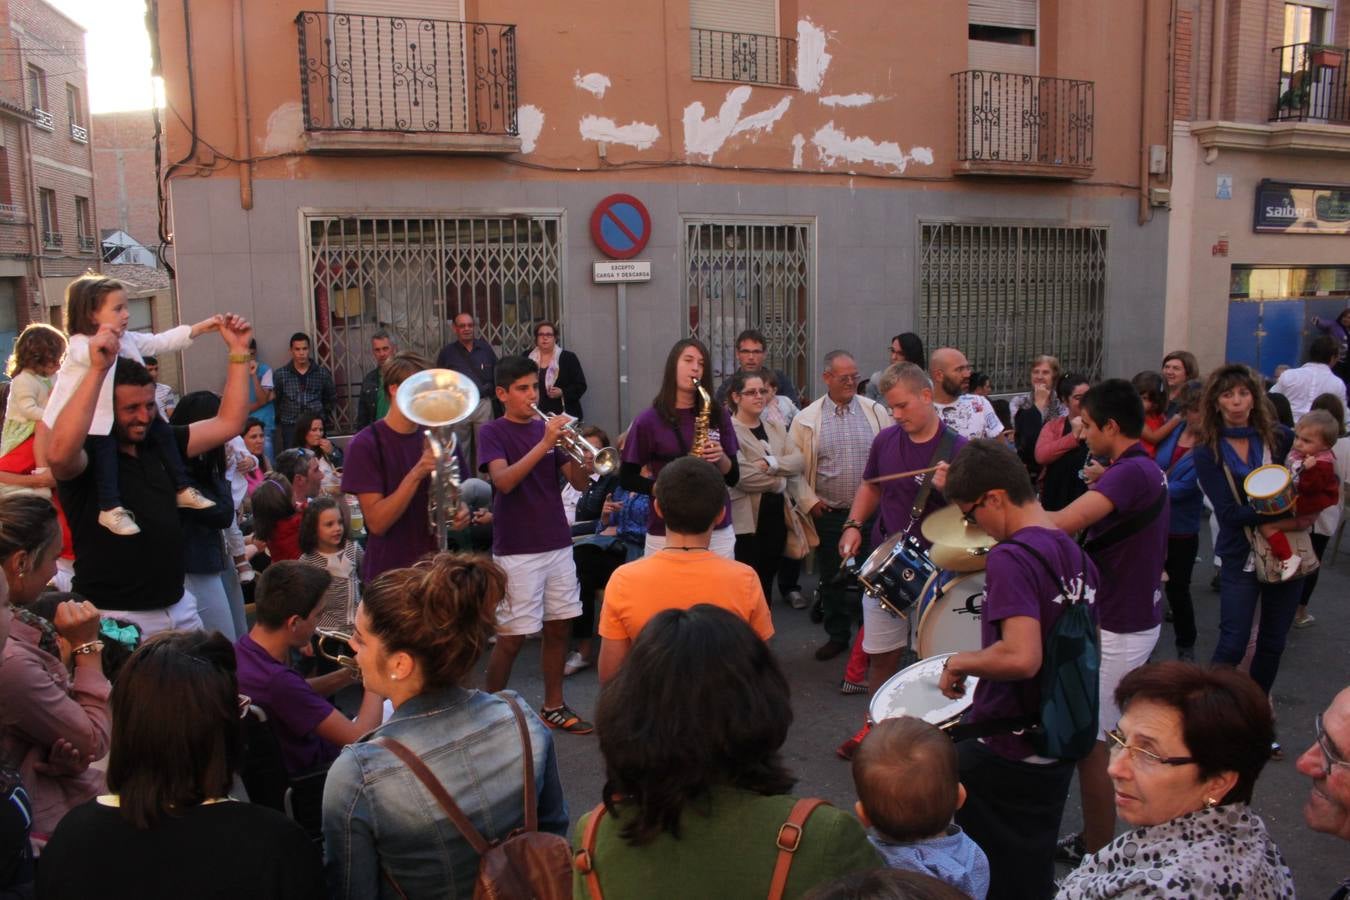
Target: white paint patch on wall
x=849 y=99
x=635 y=134
x=798 y=143
x=833 y=145
x=593 y=82
x=705 y=136
x=812 y=58
x=285 y=128
x=530 y=121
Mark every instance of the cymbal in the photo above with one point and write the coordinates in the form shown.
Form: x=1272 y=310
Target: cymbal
x=946 y=526
x=958 y=559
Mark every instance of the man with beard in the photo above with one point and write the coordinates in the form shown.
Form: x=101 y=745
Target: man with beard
x=138 y=577
x=969 y=415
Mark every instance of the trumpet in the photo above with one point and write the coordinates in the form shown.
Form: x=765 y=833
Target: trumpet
x=342 y=641
x=602 y=461
x=438 y=399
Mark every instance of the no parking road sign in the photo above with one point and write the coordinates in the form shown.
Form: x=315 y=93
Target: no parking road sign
x=620 y=226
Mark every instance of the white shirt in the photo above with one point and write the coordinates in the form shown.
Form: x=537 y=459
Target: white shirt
x=1306 y=383
x=134 y=345
x=971 y=416
x=1329 y=519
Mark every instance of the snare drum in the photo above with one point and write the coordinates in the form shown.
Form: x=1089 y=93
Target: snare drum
x=1270 y=490
x=895 y=573
x=913 y=691
x=949 y=614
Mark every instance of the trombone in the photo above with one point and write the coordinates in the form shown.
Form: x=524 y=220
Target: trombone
x=602 y=461
x=342 y=641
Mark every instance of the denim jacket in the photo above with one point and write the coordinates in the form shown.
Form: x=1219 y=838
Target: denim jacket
x=380 y=823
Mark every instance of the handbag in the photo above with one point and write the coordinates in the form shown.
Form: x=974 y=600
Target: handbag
x=801 y=531
x=1268 y=566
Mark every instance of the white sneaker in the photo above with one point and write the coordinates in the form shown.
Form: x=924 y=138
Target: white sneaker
x=119 y=521
x=191 y=498
x=575 y=663
x=1289 y=568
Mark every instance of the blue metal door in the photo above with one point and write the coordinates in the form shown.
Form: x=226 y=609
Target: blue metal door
x=1265 y=334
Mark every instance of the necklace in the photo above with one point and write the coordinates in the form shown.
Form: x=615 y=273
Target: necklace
x=684 y=548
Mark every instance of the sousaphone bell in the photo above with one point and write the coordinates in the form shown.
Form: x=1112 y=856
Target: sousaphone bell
x=438 y=399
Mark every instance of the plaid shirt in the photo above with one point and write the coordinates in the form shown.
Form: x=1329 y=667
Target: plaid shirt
x=841 y=453
x=295 y=394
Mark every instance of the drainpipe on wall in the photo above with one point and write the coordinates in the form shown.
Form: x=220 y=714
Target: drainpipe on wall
x=1218 y=28
x=1145 y=208
x=1171 y=89
x=242 y=117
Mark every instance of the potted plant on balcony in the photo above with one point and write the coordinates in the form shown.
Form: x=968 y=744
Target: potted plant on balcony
x=1327 y=57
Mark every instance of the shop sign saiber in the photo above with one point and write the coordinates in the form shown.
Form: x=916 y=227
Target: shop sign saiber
x=1293 y=208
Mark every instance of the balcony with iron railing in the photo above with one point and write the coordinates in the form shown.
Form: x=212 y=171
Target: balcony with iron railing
x=1311 y=84
x=53 y=240
x=9 y=211
x=79 y=133
x=86 y=244
x=43 y=119
x=737 y=56
x=1023 y=125
x=380 y=83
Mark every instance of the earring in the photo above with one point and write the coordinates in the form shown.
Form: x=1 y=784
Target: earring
x=393 y=676
x=1210 y=803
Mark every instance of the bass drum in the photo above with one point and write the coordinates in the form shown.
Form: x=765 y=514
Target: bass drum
x=949 y=614
x=913 y=691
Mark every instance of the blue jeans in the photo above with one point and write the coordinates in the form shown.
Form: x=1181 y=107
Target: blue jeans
x=1239 y=592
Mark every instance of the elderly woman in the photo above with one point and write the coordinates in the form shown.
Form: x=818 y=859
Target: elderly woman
x=1238 y=433
x=419 y=633
x=1032 y=411
x=1184 y=761
x=51 y=724
x=695 y=798
x=169 y=828
x=767 y=460
x=561 y=380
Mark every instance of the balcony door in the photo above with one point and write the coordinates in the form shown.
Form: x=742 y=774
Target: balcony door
x=401 y=65
x=1007 y=110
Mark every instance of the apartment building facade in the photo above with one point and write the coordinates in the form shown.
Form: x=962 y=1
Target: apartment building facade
x=47 y=209
x=978 y=172
x=1260 y=237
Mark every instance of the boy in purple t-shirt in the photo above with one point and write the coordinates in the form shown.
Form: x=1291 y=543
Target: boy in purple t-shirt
x=1126 y=516
x=1015 y=798
x=531 y=539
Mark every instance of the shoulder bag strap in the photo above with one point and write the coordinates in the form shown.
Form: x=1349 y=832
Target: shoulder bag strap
x=941 y=452
x=584 y=859
x=789 y=839
x=1130 y=527
x=1237 y=498
x=531 y=798
x=432 y=784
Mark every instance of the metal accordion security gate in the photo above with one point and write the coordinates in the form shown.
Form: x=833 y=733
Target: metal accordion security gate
x=741 y=274
x=1005 y=294
x=411 y=275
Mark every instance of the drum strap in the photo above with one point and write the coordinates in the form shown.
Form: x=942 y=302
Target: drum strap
x=943 y=451
x=1128 y=528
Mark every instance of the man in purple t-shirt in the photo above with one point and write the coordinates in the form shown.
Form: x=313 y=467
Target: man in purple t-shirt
x=1125 y=514
x=310 y=730
x=918 y=439
x=531 y=540
x=387 y=468
x=1015 y=798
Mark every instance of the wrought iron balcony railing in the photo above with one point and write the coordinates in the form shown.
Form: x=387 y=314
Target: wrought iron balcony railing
x=79 y=133
x=1311 y=83
x=383 y=73
x=44 y=118
x=53 y=240
x=737 y=56
x=9 y=211
x=86 y=244
x=1005 y=121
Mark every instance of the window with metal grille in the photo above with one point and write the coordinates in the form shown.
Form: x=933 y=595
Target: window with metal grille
x=743 y=274
x=1004 y=294
x=412 y=276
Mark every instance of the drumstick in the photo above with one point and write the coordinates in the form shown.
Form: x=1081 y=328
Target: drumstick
x=910 y=474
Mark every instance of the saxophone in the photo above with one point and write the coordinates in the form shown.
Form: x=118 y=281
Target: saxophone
x=701 y=420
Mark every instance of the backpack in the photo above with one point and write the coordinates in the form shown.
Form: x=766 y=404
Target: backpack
x=524 y=864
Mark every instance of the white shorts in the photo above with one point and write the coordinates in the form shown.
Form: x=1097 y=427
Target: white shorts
x=882 y=632
x=723 y=543
x=181 y=616
x=540 y=587
x=1122 y=653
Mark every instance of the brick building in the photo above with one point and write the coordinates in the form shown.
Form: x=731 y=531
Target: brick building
x=829 y=173
x=1260 y=242
x=124 y=175
x=47 y=211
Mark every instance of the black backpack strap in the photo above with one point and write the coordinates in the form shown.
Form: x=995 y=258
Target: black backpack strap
x=1129 y=527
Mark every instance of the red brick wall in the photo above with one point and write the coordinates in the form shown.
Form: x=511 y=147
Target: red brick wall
x=1183 y=53
x=124 y=174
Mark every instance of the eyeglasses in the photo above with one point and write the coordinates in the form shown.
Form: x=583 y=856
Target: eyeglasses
x=848 y=379
x=969 y=515
x=245 y=701
x=751 y=351
x=895 y=351
x=1330 y=758
x=1140 y=756
x=545 y=334
x=753 y=392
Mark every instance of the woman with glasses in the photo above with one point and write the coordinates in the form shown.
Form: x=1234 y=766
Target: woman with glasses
x=767 y=459
x=169 y=827
x=561 y=380
x=905 y=347
x=1184 y=761
x=1061 y=450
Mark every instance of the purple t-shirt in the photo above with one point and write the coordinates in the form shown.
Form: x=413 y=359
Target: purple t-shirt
x=1131 y=596
x=1017 y=584
x=377 y=460
x=529 y=519
x=893 y=451
x=292 y=707
x=652 y=441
